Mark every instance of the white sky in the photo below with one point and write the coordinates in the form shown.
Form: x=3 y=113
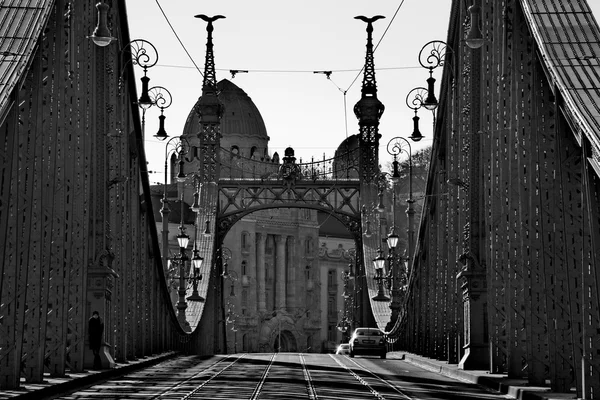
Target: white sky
x=281 y=43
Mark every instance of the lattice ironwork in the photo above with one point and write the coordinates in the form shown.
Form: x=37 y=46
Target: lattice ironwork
x=343 y=166
x=72 y=205
x=237 y=199
x=537 y=225
x=368 y=110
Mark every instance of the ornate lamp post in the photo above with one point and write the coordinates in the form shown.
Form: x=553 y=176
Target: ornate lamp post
x=182 y=240
x=431 y=56
x=232 y=276
x=175 y=145
x=414 y=101
x=395 y=147
x=379 y=264
x=197 y=261
x=144 y=54
x=347 y=321
x=161 y=98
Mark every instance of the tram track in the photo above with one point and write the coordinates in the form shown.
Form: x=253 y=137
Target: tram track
x=173 y=388
x=243 y=380
x=288 y=376
x=376 y=394
x=282 y=374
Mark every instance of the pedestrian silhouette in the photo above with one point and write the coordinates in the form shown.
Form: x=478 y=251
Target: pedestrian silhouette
x=95 y=330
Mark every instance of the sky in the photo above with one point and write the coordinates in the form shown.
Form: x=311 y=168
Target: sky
x=281 y=44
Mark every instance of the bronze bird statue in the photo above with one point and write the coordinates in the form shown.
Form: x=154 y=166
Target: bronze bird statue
x=210 y=20
x=369 y=20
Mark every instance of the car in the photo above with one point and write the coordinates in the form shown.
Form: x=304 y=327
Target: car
x=370 y=341
x=343 y=348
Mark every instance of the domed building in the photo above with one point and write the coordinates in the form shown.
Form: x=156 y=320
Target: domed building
x=242 y=127
x=274 y=289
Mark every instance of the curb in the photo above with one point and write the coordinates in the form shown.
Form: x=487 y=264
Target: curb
x=89 y=379
x=516 y=388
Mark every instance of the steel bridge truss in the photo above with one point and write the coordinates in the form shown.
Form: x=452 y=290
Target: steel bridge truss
x=514 y=288
x=338 y=198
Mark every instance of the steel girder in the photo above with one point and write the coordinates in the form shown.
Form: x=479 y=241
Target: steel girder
x=339 y=198
x=540 y=202
x=75 y=201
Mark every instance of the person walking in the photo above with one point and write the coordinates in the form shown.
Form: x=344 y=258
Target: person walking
x=95 y=330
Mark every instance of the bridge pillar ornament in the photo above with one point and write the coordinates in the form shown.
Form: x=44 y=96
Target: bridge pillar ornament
x=368 y=110
x=210 y=109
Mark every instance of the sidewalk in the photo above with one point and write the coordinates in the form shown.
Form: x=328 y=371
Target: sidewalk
x=74 y=381
x=517 y=388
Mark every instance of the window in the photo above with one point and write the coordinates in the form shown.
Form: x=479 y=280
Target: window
x=253 y=152
x=245 y=240
x=235 y=151
x=331 y=278
x=244 y=267
x=331 y=307
x=307 y=272
x=308 y=245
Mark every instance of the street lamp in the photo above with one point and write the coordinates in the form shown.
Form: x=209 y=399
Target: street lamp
x=161 y=98
x=182 y=240
x=175 y=145
x=431 y=56
x=415 y=100
x=379 y=264
x=232 y=276
x=348 y=277
x=101 y=35
x=144 y=54
x=395 y=147
x=474 y=37
x=197 y=261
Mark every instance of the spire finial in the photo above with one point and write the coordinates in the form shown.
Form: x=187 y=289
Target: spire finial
x=369 y=86
x=210 y=78
x=209 y=107
x=368 y=110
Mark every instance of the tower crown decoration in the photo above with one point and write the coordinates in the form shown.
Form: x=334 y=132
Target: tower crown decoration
x=369 y=109
x=209 y=107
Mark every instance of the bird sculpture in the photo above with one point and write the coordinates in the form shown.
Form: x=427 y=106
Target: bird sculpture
x=369 y=21
x=210 y=20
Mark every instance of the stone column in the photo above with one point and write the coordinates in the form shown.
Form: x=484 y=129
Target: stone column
x=279 y=271
x=292 y=266
x=261 y=240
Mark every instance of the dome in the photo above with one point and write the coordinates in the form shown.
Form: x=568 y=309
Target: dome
x=349 y=144
x=347 y=158
x=242 y=126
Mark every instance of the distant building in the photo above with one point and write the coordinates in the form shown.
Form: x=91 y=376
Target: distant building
x=284 y=290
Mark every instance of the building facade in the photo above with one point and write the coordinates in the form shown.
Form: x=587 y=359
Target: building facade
x=276 y=293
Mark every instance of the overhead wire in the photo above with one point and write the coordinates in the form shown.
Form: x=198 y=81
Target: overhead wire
x=327 y=73
x=283 y=71
x=177 y=36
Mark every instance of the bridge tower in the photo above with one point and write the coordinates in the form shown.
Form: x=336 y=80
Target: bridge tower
x=210 y=110
x=368 y=110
